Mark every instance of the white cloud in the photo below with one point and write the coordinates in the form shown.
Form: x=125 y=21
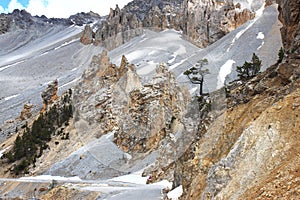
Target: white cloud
x=65 y=8
x=14 y=4
x=36 y=7
x=1 y=9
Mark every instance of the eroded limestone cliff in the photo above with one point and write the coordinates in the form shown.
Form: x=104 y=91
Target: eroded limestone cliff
x=250 y=150
x=111 y=98
x=202 y=22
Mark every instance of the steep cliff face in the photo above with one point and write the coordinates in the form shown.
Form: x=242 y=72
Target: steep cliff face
x=290 y=17
x=250 y=150
x=250 y=144
x=119 y=27
x=122 y=25
x=150 y=109
x=202 y=22
x=207 y=21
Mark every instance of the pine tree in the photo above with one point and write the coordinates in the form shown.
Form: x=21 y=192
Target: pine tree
x=249 y=69
x=196 y=74
x=280 y=55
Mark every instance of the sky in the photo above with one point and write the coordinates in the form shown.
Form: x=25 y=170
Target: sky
x=61 y=8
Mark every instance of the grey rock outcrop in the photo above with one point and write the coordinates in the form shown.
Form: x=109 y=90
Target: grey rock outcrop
x=49 y=95
x=26 y=113
x=113 y=99
x=207 y=21
x=152 y=108
x=87 y=35
x=82 y=18
x=290 y=17
x=119 y=28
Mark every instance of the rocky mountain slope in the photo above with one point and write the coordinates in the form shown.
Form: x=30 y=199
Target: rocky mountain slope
x=250 y=150
x=27 y=64
x=140 y=119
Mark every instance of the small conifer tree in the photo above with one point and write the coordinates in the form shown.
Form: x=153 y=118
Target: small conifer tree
x=280 y=55
x=249 y=69
x=196 y=74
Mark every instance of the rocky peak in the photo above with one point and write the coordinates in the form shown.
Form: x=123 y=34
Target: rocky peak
x=26 y=113
x=119 y=28
x=152 y=108
x=106 y=92
x=17 y=19
x=49 y=95
x=21 y=19
x=87 y=35
x=114 y=12
x=82 y=18
x=124 y=66
x=141 y=8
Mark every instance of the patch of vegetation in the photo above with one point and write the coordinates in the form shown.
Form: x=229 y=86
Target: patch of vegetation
x=33 y=141
x=249 y=69
x=280 y=55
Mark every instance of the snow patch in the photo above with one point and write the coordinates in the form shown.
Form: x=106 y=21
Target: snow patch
x=11 y=97
x=260 y=36
x=135 y=178
x=176 y=193
x=260 y=11
x=73 y=81
x=110 y=136
x=151 y=53
x=45 y=53
x=151 y=66
x=250 y=3
x=164 y=184
x=177 y=64
x=181 y=50
x=8 y=66
x=262 y=44
x=49 y=178
x=74 y=69
x=65 y=44
x=143 y=40
x=173 y=59
x=3 y=151
x=134 y=55
x=224 y=71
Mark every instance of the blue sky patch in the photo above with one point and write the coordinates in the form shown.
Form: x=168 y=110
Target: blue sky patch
x=4 y=3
